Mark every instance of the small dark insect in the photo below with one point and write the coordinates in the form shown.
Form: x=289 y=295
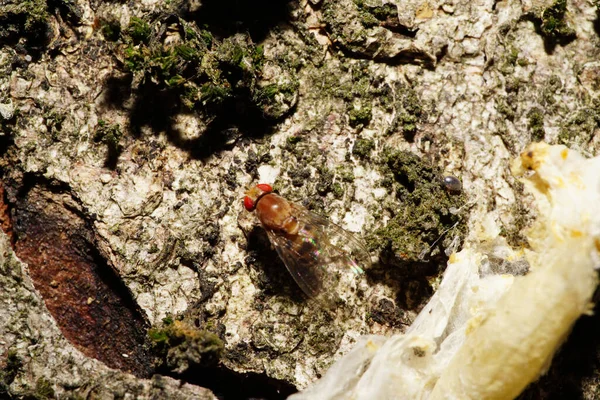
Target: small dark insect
x=452 y=184
x=322 y=257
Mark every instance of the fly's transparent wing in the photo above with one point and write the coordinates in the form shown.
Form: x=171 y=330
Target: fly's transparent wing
x=323 y=258
x=344 y=247
x=303 y=264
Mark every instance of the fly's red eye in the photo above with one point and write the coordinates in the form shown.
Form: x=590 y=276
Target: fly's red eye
x=265 y=187
x=248 y=203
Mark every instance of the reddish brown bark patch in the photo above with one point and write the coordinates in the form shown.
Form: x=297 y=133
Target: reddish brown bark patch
x=5 y=222
x=91 y=305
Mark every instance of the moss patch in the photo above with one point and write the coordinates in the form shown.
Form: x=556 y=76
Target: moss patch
x=408 y=110
x=189 y=70
x=536 y=124
x=9 y=370
x=44 y=389
x=110 y=135
x=181 y=346
x=360 y=116
x=422 y=225
x=363 y=147
x=552 y=24
x=27 y=19
x=579 y=129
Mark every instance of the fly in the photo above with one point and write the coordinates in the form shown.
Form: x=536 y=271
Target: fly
x=323 y=258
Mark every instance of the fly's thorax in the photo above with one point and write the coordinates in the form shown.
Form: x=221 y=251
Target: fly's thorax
x=275 y=213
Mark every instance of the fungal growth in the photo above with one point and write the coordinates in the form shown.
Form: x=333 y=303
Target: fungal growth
x=323 y=258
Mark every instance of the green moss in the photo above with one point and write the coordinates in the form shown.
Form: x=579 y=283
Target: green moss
x=510 y=58
x=503 y=108
x=408 y=122
x=422 y=215
x=27 y=19
x=108 y=134
x=208 y=75
x=579 y=129
x=180 y=346
x=512 y=55
x=9 y=371
x=325 y=181
x=175 y=80
x=238 y=52
x=338 y=190
x=44 y=389
x=385 y=12
x=536 y=124
x=341 y=27
x=553 y=22
x=408 y=113
x=158 y=336
x=135 y=59
x=276 y=99
x=258 y=56
x=373 y=15
x=319 y=340
x=111 y=30
x=54 y=121
x=188 y=52
x=411 y=103
x=206 y=37
x=299 y=176
x=138 y=30
x=213 y=94
x=367 y=19
x=360 y=116
x=292 y=140
x=512 y=85
x=363 y=147
x=346 y=173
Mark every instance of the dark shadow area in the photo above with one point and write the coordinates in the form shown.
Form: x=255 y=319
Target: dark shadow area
x=218 y=82
x=411 y=56
x=550 y=42
x=552 y=26
x=408 y=56
x=35 y=39
x=442 y=53
x=409 y=281
x=401 y=29
x=273 y=276
x=156 y=108
x=6 y=141
x=575 y=366
x=227 y=17
x=69 y=10
x=26 y=26
x=597 y=22
x=231 y=385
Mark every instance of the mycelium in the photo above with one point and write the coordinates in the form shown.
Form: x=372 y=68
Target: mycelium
x=487 y=334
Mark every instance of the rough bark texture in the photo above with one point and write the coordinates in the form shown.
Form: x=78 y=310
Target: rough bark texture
x=129 y=132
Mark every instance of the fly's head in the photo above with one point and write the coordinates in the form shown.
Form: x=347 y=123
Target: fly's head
x=254 y=194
